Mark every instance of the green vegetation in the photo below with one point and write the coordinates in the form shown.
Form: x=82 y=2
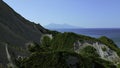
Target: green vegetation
x=51 y=53
x=33 y=47
x=104 y=49
x=66 y=40
x=56 y=52
x=46 y=41
x=89 y=51
x=118 y=66
x=110 y=44
x=54 y=33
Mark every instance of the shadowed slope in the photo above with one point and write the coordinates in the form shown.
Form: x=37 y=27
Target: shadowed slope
x=15 y=27
x=16 y=31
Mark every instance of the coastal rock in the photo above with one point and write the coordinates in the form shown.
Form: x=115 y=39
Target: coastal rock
x=104 y=51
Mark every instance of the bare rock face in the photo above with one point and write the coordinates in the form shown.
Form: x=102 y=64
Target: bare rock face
x=103 y=51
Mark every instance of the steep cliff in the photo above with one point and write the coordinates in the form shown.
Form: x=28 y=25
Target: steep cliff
x=16 y=31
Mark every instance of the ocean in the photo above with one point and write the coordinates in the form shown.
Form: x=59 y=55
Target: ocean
x=112 y=33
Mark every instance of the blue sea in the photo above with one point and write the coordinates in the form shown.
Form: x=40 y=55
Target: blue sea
x=112 y=33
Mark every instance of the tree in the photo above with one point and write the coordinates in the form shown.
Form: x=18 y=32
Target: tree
x=46 y=41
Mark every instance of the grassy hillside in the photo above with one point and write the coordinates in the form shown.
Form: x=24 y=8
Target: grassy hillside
x=59 y=53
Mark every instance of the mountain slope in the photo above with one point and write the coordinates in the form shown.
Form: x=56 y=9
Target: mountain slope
x=16 y=31
x=15 y=25
x=61 y=26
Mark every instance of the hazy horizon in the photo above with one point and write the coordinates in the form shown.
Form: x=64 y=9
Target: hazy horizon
x=52 y=25
x=82 y=13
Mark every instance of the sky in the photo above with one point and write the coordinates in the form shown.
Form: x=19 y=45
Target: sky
x=82 y=13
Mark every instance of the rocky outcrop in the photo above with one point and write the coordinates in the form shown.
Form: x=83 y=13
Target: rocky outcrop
x=104 y=51
x=10 y=64
x=77 y=46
